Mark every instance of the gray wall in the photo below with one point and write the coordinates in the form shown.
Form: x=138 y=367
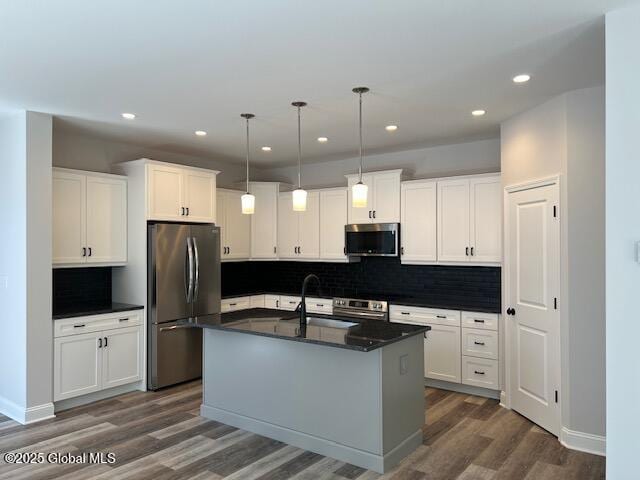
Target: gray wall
x=86 y=152
x=565 y=136
x=481 y=156
x=25 y=262
x=623 y=230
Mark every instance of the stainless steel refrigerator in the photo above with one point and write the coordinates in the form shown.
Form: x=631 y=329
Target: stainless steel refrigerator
x=183 y=281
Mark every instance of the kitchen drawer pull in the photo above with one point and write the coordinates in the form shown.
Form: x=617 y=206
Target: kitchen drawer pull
x=478 y=372
x=124 y=319
x=441 y=316
x=477 y=320
x=292 y=302
x=79 y=325
x=479 y=343
x=405 y=313
x=233 y=304
x=320 y=305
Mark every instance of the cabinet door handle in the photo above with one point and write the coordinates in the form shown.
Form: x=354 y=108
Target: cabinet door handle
x=401 y=250
x=405 y=313
x=80 y=325
x=374 y=214
x=124 y=319
x=187 y=211
x=466 y=251
x=90 y=251
x=478 y=320
x=182 y=208
x=84 y=251
x=277 y=303
x=344 y=250
x=228 y=249
x=478 y=372
x=274 y=249
x=441 y=316
x=369 y=213
x=472 y=251
x=106 y=341
x=479 y=343
x=100 y=343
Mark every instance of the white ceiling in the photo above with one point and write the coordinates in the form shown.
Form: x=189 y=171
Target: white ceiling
x=197 y=64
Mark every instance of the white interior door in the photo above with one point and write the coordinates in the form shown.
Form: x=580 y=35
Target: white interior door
x=165 y=193
x=288 y=227
x=386 y=197
x=68 y=218
x=533 y=321
x=418 y=233
x=106 y=220
x=333 y=218
x=200 y=196
x=238 y=225
x=486 y=219
x=453 y=221
x=309 y=232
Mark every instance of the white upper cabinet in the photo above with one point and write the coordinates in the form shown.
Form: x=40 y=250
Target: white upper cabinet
x=418 y=227
x=470 y=220
x=89 y=218
x=69 y=217
x=333 y=218
x=176 y=193
x=486 y=215
x=264 y=221
x=383 y=198
x=235 y=227
x=299 y=232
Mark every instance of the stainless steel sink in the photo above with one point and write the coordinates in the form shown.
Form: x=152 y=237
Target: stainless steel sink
x=327 y=322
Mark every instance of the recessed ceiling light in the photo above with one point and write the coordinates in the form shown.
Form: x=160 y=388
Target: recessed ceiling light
x=522 y=78
x=391 y=128
x=266 y=149
x=323 y=139
x=478 y=113
x=129 y=116
x=200 y=133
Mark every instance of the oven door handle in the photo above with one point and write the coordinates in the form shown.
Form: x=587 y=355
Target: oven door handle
x=349 y=313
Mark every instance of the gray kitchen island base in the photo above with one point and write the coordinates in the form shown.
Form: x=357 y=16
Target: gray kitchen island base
x=364 y=408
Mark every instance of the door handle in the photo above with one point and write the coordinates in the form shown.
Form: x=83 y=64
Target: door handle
x=182 y=208
x=100 y=343
x=187 y=211
x=466 y=251
x=84 y=251
x=106 y=342
x=89 y=251
x=472 y=251
x=369 y=213
x=189 y=276
x=374 y=214
x=196 y=287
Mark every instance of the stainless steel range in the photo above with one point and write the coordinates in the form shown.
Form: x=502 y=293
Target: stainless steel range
x=362 y=309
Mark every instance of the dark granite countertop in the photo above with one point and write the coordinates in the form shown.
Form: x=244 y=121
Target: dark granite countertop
x=361 y=335
x=454 y=304
x=86 y=310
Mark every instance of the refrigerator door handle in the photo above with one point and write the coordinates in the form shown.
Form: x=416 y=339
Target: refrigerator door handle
x=189 y=276
x=197 y=269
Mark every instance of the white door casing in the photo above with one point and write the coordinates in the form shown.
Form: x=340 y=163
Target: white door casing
x=532 y=282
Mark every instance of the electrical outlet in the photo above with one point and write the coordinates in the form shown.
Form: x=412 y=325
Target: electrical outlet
x=404 y=364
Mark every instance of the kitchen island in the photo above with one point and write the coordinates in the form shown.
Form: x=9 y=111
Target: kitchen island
x=349 y=390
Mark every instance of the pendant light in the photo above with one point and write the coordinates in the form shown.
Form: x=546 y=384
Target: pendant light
x=359 y=190
x=248 y=200
x=299 y=195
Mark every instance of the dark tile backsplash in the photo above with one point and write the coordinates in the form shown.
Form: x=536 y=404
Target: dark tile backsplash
x=81 y=287
x=374 y=277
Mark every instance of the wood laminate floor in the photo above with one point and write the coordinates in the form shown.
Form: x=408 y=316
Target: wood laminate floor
x=159 y=435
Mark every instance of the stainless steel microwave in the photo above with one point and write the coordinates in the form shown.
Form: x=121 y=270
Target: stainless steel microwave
x=372 y=239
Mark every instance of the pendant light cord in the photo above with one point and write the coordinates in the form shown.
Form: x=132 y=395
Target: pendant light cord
x=299 y=153
x=360 y=126
x=247 y=155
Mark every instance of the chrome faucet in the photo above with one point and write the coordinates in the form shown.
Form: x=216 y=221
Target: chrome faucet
x=303 y=305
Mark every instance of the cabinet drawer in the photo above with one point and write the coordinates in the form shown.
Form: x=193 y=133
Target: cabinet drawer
x=288 y=302
x=480 y=372
x=485 y=321
x=319 y=305
x=257 y=301
x=95 y=323
x=480 y=343
x=234 y=304
x=424 y=316
x=272 y=301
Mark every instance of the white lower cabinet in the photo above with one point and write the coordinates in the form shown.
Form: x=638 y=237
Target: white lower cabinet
x=235 y=304
x=272 y=301
x=461 y=347
x=89 y=359
x=289 y=302
x=442 y=353
x=277 y=302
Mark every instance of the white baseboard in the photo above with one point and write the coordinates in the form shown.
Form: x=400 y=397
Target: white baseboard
x=503 y=400
x=26 y=415
x=584 y=442
x=61 y=405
